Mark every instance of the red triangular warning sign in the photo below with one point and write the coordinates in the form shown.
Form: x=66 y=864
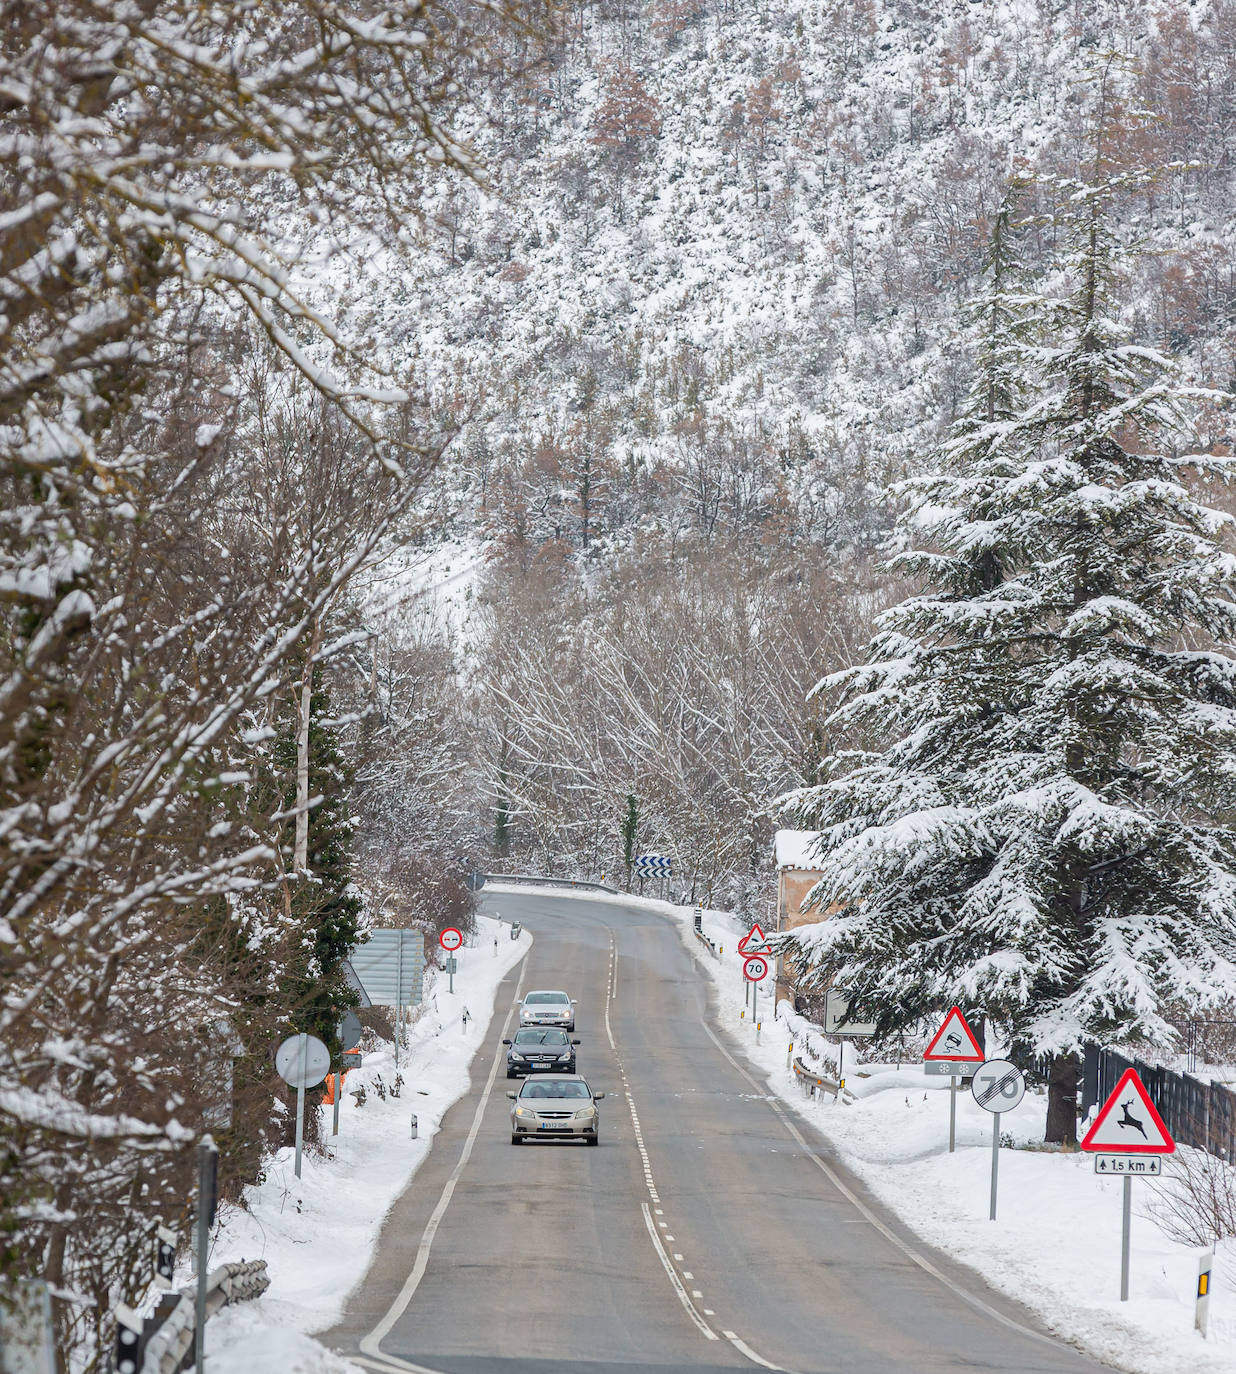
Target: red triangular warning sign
x=955 y=1041
x=753 y=941
x=1128 y=1122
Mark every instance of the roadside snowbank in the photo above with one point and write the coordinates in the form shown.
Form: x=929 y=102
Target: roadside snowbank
x=318 y=1233
x=1055 y=1245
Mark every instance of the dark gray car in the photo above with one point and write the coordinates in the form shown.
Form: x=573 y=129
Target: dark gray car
x=539 y=1049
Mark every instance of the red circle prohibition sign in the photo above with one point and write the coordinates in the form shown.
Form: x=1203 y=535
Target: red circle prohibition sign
x=754 y=967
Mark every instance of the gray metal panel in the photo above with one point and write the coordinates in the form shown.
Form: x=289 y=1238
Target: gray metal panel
x=349 y=976
x=390 y=966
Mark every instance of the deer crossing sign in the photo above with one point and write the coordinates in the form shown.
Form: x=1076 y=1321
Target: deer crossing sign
x=1129 y=1123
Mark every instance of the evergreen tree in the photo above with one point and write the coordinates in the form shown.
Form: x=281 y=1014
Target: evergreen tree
x=1040 y=829
x=630 y=828
x=325 y=904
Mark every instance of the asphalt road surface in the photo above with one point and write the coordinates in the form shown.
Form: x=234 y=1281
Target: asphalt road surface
x=710 y=1230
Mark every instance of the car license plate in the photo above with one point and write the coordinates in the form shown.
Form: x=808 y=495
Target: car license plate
x=555 y=1125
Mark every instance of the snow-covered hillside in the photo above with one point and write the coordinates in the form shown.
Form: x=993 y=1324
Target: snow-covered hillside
x=736 y=237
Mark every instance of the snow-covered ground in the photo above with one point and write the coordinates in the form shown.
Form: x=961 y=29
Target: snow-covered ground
x=1055 y=1244
x=318 y=1233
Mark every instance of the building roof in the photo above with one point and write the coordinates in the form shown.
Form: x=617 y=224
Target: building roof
x=796 y=848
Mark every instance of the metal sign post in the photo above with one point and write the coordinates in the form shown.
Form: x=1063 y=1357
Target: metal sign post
x=450 y=940
x=997 y=1087
x=954 y=1050
x=398 y=996
x=1127 y=1136
x=302 y=1061
x=995 y=1164
x=301 y=1066
x=1126 y=1231
x=207 y=1191
x=349 y=1032
x=755 y=967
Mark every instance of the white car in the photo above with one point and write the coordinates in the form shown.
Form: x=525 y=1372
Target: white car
x=547 y=1008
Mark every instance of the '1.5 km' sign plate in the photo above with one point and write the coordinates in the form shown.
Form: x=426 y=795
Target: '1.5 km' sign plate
x=1119 y=1166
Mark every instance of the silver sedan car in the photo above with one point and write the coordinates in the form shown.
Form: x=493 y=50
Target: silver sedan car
x=547 y=1008
x=555 y=1106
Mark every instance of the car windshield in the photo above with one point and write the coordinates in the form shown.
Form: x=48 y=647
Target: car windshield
x=555 y=998
x=547 y=1036
x=556 y=1090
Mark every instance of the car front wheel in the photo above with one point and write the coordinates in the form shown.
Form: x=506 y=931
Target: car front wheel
x=593 y=1139
x=516 y=1139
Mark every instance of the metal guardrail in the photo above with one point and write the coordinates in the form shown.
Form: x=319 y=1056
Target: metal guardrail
x=535 y=880
x=812 y=1082
x=168 y=1336
x=1197 y=1113
x=699 y=935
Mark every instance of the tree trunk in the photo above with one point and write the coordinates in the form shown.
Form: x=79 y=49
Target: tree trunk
x=300 y=856
x=1062 y=1100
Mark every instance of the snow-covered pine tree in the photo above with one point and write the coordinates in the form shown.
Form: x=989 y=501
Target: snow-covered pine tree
x=1040 y=829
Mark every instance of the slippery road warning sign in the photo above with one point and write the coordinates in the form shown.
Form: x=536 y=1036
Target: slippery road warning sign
x=1128 y=1123
x=954 y=1042
x=754 y=941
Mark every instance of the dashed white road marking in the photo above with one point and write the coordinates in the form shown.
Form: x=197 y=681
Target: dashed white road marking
x=687 y=1299
x=683 y=1296
x=865 y=1212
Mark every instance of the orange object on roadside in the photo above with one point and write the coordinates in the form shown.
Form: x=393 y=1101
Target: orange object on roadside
x=328 y=1088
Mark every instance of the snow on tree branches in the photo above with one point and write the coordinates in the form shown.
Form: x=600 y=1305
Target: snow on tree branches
x=194 y=462
x=1040 y=826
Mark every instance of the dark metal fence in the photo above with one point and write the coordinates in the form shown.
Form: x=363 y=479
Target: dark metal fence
x=1199 y=1114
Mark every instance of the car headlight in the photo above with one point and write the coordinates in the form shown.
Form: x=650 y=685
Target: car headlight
x=515 y=1054
x=526 y=1112
x=565 y=1055
x=584 y=1113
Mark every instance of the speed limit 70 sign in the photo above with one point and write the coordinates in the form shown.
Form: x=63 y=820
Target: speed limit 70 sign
x=755 y=967
x=998 y=1086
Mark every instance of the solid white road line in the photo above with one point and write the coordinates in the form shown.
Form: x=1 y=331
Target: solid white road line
x=683 y=1297
x=744 y=1349
x=371 y=1344
x=391 y=1364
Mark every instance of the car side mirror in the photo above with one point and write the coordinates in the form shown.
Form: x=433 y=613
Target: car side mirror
x=573 y=1001
x=506 y=1042
x=574 y=1042
x=511 y=1096
x=596 y=1097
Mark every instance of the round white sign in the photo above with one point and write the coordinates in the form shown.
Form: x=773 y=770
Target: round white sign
x=998 y=1086
x=450 y=939
x=302 y=1060
x=755 y=967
